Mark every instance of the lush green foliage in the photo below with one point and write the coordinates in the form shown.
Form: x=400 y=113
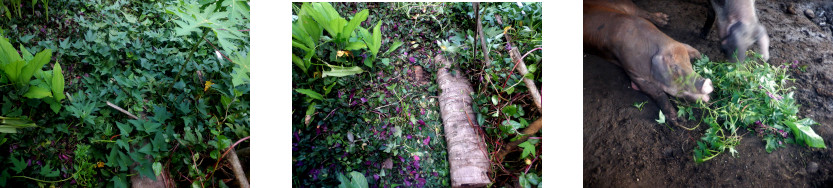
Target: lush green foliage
x=751 y=95
x=158 y=61
x=385 y=125
x=380 y=126
x=501 y=98
x=17 y=6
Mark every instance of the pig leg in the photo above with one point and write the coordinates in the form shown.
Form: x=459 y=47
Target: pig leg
x=763 y=42
x=656 y=93
x=707 y=27
x=658 y=18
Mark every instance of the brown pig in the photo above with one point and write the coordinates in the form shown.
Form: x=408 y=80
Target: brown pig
x=655 y=63
x=738 y=28
x=627 y=7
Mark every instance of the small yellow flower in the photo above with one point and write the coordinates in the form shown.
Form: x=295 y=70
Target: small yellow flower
x=99 y=164
x=343 y=53
x=506 y=29
x=208 y=85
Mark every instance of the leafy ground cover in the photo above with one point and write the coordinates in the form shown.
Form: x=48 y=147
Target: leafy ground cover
x=365 y=109
x=181 y=68
x=752 y=95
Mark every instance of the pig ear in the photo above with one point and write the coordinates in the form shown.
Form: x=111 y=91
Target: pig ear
x=659 y=69
x=692 y=53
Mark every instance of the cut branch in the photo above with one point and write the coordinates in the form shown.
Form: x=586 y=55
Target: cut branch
x=532 y=129
x=521 y=67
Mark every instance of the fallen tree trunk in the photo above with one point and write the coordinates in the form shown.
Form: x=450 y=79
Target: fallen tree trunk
x=467 y=158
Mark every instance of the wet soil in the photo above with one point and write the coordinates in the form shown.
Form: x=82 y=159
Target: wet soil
x=625 y=147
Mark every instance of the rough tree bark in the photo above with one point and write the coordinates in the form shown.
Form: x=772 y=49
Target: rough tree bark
x=467 y=156
x=238 y=169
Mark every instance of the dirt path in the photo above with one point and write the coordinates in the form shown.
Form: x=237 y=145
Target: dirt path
x=625 y=147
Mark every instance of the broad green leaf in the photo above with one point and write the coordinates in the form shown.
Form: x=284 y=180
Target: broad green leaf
x=129 y=18
x=58 y=82
x=494 y=99
x=300 y=45
x=19 y=164
x=803 y=132
x=240 y=72
x=523 y=181
x=240 y=7
x=358 y=179
x=533 y=178
x=357 y=19
x=12 y=70
x=36 y=92
x=339 y=71
x=40 y=59
x=157 y=168
x=312 y=29
x=7 y=52
x=298 y=62
x=528 y=148
x=310 y=93
x=124 y=129
x=377 y=38
x=48 y=172
x=661 y=119
x=355 y=46
x=393 y=47
x=27 y=56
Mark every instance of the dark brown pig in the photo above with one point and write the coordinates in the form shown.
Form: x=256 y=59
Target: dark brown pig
x=655 y=63
x=628 y=7
x=738 y=28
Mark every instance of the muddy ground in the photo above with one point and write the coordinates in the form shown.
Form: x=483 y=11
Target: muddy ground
x=624 y=147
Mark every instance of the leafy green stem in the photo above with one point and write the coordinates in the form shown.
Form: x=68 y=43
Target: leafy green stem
x=190 y=55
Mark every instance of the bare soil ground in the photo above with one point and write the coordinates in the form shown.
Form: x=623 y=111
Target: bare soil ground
x=625 y=147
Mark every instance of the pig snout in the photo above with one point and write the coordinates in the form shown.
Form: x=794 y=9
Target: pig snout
x=706 y=86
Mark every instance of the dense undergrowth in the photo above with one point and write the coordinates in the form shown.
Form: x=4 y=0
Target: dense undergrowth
x=365 y=100
x=181 y=67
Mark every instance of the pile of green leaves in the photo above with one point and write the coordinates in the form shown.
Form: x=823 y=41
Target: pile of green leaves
x=181 y=66
x=751 y=95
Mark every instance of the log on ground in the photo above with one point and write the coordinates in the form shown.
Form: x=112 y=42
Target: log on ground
x=469 y=163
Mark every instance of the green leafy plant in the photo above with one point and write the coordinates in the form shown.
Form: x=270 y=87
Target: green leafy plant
x=639 y=105
x=123 y=53
x=20 y=70
x=357 y=180
x=222 y=23
x=10 y=125
x=308 y=29
x=749 y=95
x=16 y=6
x=373 y=42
